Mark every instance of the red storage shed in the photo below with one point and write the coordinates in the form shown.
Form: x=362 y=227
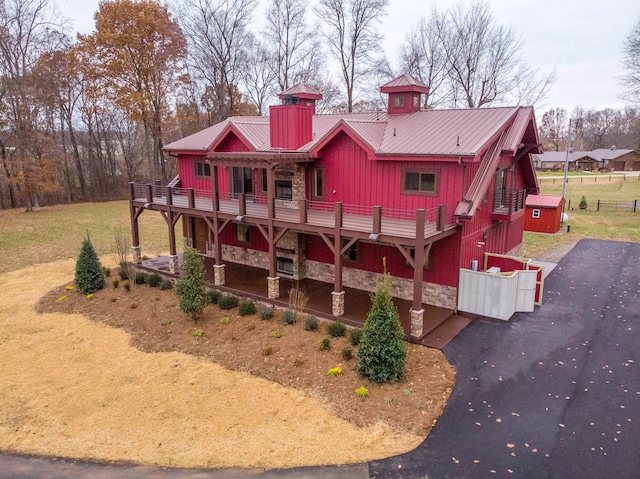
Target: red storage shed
x=543 y=213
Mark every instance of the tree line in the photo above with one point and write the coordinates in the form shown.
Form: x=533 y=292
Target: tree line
x=82 y=116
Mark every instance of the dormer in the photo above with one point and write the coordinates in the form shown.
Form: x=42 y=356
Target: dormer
x=291 y=123
x=405 y=94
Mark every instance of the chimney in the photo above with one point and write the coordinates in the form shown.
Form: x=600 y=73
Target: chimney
x=291 y=123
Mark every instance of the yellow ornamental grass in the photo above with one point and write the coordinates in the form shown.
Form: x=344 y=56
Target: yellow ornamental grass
x=362 y=392
x=335 y=372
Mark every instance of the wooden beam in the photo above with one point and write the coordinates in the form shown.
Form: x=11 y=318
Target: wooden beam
x=337 y=255
x=418 y=264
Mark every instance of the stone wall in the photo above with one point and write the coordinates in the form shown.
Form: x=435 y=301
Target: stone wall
x=435 y=294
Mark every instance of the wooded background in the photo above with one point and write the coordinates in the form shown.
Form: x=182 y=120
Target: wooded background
x=82 y=116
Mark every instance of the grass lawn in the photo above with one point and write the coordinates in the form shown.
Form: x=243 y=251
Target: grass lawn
x=56 y=232
x=589 y=223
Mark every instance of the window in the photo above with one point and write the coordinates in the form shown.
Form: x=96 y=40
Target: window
x=420 y=182
x=535 y=213
x=202 y=169
x=284 y=266
x=243 y=233
x=318 y=183
x=352 y=253
x=398 y=101
x=427 y=258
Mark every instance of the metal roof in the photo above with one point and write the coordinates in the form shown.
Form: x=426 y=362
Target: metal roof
x=404 y=82
x=544 y=201
x=302 y=90
x=464 y=132
x=608 y=153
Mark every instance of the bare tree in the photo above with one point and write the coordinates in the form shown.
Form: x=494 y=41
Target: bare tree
x=28 y=28
x=296 y=51
x=631 y=53
x=482 y=59
x=553 y=129
x=219 y=41
x=259 y=76
x=352 y=38
x=422 y=55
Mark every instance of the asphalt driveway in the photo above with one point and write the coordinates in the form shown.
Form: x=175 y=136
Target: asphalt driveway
x=553 y=394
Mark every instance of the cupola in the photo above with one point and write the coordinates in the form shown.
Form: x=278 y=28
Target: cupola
x=291 y=123
x=404 y=94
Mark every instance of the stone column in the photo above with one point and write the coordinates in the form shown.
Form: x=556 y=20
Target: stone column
x=218 y=274
x=273 y=287
x=174 y=264
x=337 y=303
x=417 y=327
x=135 y=252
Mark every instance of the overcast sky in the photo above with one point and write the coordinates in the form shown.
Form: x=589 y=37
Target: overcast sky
x=581 y=39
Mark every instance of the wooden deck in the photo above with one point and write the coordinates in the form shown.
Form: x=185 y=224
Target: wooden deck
x=399 y=224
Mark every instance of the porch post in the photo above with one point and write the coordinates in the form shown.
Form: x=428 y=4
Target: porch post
x=135 y=234
x=417 y=312
x=337 y=296
x=273 y=281
x=215 y=203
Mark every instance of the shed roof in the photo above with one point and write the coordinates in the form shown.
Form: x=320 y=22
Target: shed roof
x=544 y=201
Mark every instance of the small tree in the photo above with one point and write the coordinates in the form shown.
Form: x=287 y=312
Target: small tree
x=583 y=203
x=382 y=353
x=89 y=276
x=191 y=287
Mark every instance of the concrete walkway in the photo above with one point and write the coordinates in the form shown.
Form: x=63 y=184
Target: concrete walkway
x=553 y=394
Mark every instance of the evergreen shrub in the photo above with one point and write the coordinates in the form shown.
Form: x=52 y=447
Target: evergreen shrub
x=89 y=276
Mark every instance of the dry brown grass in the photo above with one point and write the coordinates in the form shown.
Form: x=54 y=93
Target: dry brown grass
x=73 y=387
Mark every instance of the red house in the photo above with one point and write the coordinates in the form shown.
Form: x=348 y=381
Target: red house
x=327 y=197
x=543 y=213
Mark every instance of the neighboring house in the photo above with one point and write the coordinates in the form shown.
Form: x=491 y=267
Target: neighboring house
x=614 y=159
x=329 y=197
x=611 y=159
x=554 y=161
x=543 y=213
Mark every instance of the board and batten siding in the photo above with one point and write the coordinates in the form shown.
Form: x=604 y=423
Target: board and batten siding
x=353 y=179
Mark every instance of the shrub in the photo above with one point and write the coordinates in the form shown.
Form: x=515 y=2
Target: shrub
x=336 y=329
x=251 y=327
x=166 y=284
x=214 y=296
x=89 y=276
x=267 y=351
x=362 y=392
x=275 y=334
x=126 y=286
x=198 y=333
x=165 y=322
x=266 y=313
x=298 y=362
x=153 y=280
x=583 y=203
x=347 y=353
x=141 y=277
x=126 y=267
x=247 y=308
x=190 y=287
x=382 y=354
x=227 y=301
x=325 y=344
x=289 y=317
x=90 y=296
x=311 y=323
x=225 y=320
x=335 y=372
x=115 y=283
x=354 y=336
x=106 y=271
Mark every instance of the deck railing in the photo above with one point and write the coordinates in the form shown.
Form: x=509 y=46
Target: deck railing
x=294 y=210
x=509 y=201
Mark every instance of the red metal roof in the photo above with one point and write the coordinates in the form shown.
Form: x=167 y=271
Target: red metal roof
x=404 y=83
x=544 y=201
x=465 y=132
x=302 y=90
